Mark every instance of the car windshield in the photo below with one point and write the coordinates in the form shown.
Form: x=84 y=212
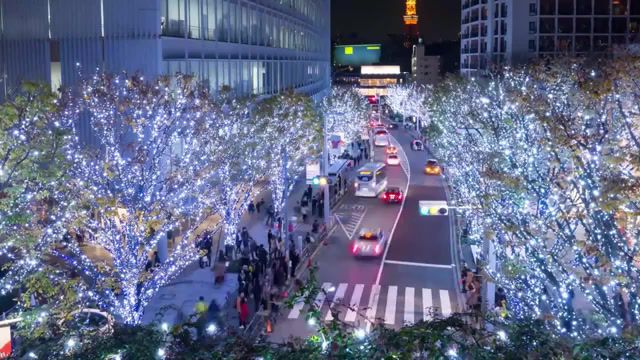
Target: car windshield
x=393 y=190
x=393 y=156
x=381 y=132
x=432 y=163
x=369 y=236
x=364 y=177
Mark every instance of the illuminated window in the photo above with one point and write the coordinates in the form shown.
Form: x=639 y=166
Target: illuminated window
x=348 y=50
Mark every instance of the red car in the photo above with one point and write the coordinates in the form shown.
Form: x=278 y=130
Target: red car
x=392 y=194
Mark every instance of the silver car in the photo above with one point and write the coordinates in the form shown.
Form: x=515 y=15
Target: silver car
x=369 y=243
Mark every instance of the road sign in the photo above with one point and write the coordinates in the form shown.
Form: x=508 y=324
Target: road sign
x=433 y=208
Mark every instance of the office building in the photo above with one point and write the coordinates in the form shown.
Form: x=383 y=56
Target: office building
x=425 y=69
x=510 y=32
x=255 y=47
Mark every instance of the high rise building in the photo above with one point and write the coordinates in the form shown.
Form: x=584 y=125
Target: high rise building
x=425 y=69
x=257 y=47
x=509 y=32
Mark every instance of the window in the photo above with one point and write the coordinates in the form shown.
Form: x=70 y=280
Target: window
x=635 y=8
x=600 y=43
x=532 y=45
x=583 y=25
x=565 y=44
x=533 y=9
x=532 y=27
x=194 y=19
x=547 y=7
x=602 y=7
x=175 y=18
x=547 y=44
x=583 y=44
x=601 y=26
x=619 y=25
x=618 y=40
x=584 y=8
x=547 y=25
x=619 y=7
x=565 y=7
x=565 y=25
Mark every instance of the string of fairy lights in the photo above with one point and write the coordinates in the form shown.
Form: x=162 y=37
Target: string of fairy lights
x=546 y=164
x=166 y=156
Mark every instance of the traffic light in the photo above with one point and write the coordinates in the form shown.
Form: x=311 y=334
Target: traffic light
x=320 y=180
x=433 y=208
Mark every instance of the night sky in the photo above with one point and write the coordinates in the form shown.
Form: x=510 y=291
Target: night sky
x=372 y=20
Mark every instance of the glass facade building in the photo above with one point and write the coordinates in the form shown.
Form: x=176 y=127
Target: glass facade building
x=253 y=47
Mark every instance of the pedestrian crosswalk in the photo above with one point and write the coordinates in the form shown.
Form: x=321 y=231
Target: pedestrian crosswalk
x=391 y=305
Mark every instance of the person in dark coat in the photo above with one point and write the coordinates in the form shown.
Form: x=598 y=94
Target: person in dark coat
x=314 y=205
x=259 y=205
x=257 y=293
x=295 y=260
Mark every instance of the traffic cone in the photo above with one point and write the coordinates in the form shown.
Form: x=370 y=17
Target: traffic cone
x=269 y=328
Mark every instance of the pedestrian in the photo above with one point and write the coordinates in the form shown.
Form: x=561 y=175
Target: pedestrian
x=307 y=239
x=201 y=316
x=315 y=227
x=257 y=293
x=314 y=205
x=253 y=246
x=243 y=311
x=238 y=244
x=321 y=208
x=270 y=215
x=251 y=207
x=304 y=210
x=201 y=306
x=259 y=205
x=295 y=260
x=262 y=256
x=244 y=236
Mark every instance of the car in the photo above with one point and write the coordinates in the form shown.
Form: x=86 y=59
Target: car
x=393 y=159
x=432 y=167
x=392 y=126
x=391 y=149
x=392 y=194
x=417 y=145
x=368 y=243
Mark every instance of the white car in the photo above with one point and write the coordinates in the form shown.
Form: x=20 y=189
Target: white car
x=417 y=145
x=369 y=243
x=381 y=138
x=393 y=159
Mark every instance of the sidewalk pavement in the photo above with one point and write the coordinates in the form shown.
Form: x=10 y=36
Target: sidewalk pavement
x=178 y=298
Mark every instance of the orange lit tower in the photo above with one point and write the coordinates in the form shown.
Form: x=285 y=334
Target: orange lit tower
x=410 y=22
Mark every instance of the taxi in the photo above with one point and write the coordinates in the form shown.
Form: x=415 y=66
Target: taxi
x=432 y=167
x=393 y=159
x=392 y=194
x=368 y=243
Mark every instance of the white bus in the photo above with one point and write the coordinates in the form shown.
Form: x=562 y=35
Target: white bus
x=371 y=179
x=381 y=137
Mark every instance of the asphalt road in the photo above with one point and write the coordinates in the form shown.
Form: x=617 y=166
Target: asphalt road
x=416 y=279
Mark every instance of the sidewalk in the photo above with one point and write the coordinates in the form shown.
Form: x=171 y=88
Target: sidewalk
x=178 y=298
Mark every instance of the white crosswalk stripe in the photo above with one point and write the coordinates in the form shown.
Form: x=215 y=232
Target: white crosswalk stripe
x=337 y=299
x=390 y=311
x=409 y=308
x=427 y=304
x=394 y=305
x=354 y=304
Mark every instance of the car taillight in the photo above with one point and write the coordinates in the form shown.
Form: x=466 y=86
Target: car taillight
x=378 y=249
x=354 y=248
x=384 y=196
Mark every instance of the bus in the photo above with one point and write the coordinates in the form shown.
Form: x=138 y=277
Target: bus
x=371 y=179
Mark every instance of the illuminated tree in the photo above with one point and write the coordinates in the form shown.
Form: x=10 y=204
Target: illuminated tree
x=346 y=113
x=291 y=126
x=138 y=183
x=34 y=139
x=237 y=155
x=410 y=100
x=540 y=155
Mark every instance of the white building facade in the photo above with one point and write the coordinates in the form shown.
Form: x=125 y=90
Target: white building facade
x=254 y=47
x=425 y=69
x=508 y=32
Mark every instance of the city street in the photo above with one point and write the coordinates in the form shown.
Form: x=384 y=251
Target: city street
x=416 y=278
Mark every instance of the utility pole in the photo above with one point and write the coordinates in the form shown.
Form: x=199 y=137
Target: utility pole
x=325 y=173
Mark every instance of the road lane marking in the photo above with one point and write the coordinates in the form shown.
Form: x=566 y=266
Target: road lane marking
x=351 y=227
x=409 y=307
x=319 y=300
x=354 y=304
x=395 y=224
x=445 y=303
x=373 y=305
x=295 y=311
x=342 y=289
x=390 y=310
x=427 y=304
x=408 y=263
